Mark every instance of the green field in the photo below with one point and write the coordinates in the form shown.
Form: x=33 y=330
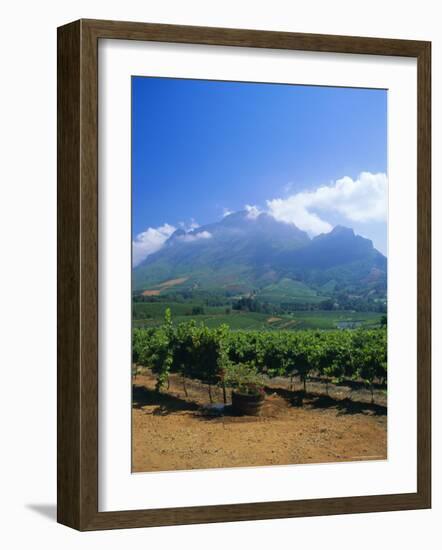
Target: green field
x=151 y=314
x=288 y=290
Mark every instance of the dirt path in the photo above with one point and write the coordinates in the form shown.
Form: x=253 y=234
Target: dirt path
x=175 y=432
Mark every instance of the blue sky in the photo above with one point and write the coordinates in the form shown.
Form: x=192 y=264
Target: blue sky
x=313 y=156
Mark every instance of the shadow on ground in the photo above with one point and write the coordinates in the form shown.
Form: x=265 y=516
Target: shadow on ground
x=353 y=384
x=48 y=511
x=165 y=402
x=344 y=406
x=347 y=406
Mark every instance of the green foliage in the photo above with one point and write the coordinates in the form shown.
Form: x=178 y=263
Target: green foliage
x=370 y=356
x=140 y=340
x=231 y=358
x=151 y=314
x=157 y=350
x=245 y=378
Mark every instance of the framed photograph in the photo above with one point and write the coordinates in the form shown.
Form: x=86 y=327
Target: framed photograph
x=243 y=274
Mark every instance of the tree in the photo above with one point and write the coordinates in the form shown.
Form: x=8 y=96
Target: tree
x=223 y=361
x=183 y=361
x=158 y=353
x=371 y=357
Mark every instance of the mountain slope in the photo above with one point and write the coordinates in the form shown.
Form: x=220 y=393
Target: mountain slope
x=236 y=253
x=244 y=253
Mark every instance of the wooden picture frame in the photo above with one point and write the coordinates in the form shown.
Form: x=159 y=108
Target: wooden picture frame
x=78 y=274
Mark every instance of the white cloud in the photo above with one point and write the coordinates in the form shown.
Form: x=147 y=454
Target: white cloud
x=192 y=237
x=253 y=211
x=361 y=200
x=189 y=226
x=294 y=210
x=227 y=212
x=150 y=241
x=153 y=239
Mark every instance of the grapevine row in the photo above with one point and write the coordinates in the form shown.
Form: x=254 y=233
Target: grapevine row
x=195 y=351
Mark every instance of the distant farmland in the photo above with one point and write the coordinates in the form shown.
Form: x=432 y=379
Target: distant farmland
x=151 y=314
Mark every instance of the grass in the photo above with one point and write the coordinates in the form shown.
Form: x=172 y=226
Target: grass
x=155 y=310
x=330 y=319
x=288 y=291
x=151 y=314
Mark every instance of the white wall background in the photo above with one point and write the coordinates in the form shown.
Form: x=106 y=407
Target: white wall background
x=28 y=269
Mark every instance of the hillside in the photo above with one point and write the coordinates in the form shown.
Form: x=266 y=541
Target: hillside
x=272 y=261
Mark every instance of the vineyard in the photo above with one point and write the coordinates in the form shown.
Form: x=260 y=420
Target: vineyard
x=225 y=358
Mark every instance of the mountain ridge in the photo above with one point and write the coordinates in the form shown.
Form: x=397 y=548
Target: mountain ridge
x=245 y=253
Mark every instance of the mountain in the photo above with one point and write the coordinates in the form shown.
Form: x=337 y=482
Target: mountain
x=246 y=253
x=341 y=256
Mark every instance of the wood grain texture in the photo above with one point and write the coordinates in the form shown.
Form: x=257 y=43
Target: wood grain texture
x=78 y=274
x=424 y=274
x=252 y=38
x=68 y=276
